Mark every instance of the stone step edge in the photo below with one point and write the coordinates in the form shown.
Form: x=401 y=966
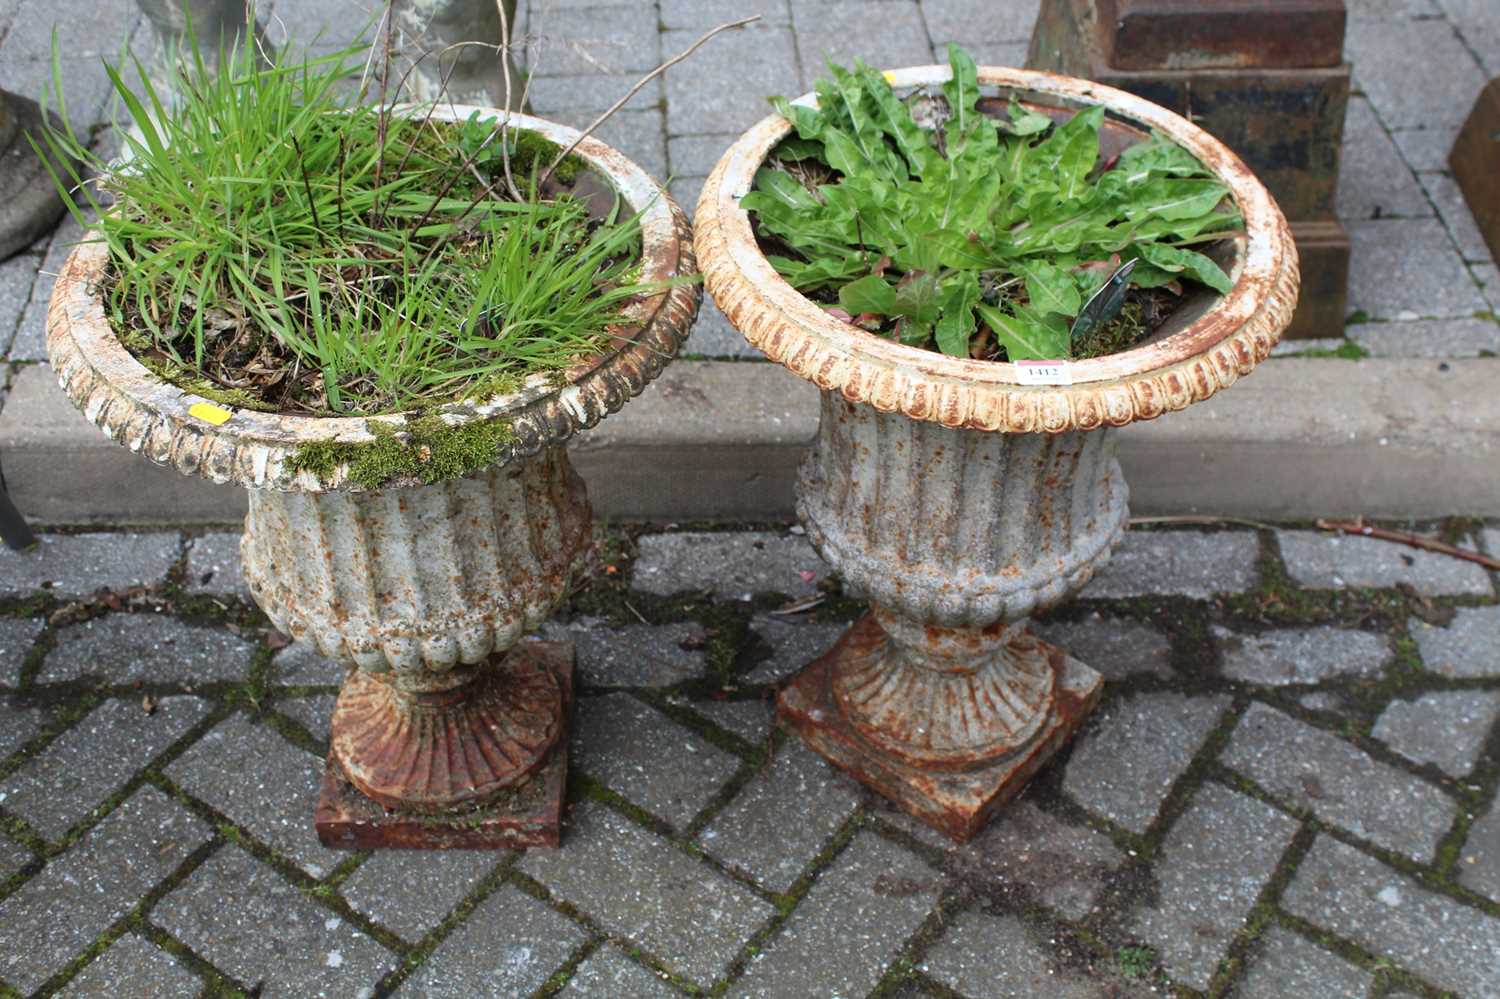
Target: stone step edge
x=720 y=440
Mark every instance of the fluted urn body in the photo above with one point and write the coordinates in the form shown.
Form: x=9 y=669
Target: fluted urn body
x=958 y=497
x=422 y=590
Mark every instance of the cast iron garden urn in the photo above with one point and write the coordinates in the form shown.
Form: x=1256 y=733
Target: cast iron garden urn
x=449 y=731
x=959 y=497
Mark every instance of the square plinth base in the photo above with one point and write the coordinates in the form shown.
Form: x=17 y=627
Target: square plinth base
x=955 y=804
x=530 y=815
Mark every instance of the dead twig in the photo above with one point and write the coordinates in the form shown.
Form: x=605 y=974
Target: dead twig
x=617 y=105
x=1200 y=521
x=1360 y=528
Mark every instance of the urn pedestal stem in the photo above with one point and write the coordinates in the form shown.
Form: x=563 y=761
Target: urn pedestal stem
x=940 y=697
x=424 y=591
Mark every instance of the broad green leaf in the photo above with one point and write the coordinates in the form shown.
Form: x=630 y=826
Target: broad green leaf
x=1070 y=152
x=1162 y=156
x=956 y=326
x=917 y=298
x=1191 y=262
x=808 y=121
x=894 y=119
x=1176 y=200
x=868 y=294
x=785 y=189
x=1024 y=121
x=1026 y=340
x=1050 y=288
x=953 y=249
x=963 y=90
x=799 y=149
x=914 y=332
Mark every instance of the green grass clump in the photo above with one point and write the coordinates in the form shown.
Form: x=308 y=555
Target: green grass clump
x=274 y=245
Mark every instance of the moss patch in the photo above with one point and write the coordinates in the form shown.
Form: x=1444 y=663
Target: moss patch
x=428 y=450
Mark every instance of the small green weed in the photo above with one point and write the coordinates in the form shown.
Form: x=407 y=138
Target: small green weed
x=1136 y=961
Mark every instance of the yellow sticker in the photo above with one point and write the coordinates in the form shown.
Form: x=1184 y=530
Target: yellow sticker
x=890 y=76
x=209 y=413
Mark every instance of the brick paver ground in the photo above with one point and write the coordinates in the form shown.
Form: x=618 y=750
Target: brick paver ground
x=1290 y=789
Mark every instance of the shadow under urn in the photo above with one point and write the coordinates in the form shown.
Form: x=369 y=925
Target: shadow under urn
x=958 y=499
x=449 y=730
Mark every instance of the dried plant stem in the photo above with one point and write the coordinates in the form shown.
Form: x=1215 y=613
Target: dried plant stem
x=385 y=112
x=510 y=180
x=617 y=105
x=1359 y=527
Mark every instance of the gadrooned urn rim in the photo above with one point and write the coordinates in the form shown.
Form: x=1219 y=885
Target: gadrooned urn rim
x=1192 y=364
x=147 y=414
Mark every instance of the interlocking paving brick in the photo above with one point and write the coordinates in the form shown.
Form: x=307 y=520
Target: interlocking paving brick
x=653 y=761
x=241 y=916
x=995 y=957
x=80 y=768
x=1409 y=269
x=732 y=564
x=30 y=342
x=843 y=30
x=1132 y=752
x=1302 y=655
x=1336 y=561
x=712 y=335
x=849 y=926
x=152 y=648
x=74 y=565
x=595 y=40
x=1062 y=865
x=1212 y=867
x=1341 y=889
x=301 y=663
x=13 y=857
x=1454 y=210
x=1322 y=773
x=1189 y=564
x=1291 y=966
x=1438 y=338
x=705 y=14
x=608 y=974
x=1374 y=182
x=509 y=946
x=1446 y=728
x=976 y=21
x=18 y=724
x=1479 y=861
x=313 y=713
x=777 y=824
x=794 y=644
x=1469 y=646
x=16 y=277
x=412 y=891
x=133 y=969
x=593 y=92
x=696 y=155
x=262 y=782
x=83 y=892
x=17 y=635
x=1426 y=147
x=635 y=655
x=715 y=95
x=643 y=888
x=750 y=720
x=639 y=133
x=1388 y=56
x=213 y=566
x=1115 y=647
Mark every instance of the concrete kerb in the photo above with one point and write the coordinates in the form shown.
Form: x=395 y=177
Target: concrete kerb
x=714 y=440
